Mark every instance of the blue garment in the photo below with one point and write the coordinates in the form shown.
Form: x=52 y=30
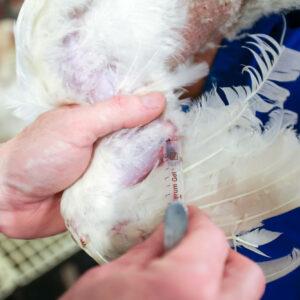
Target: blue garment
x=226 y=71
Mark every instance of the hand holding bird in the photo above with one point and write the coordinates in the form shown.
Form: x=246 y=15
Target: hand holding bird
x=36 y=170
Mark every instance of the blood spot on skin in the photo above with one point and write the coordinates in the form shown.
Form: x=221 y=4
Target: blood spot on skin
x=84 y=241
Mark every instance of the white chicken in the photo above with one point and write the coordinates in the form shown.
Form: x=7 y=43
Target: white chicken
x=239 y=171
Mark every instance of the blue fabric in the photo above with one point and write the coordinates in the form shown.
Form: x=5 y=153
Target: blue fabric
x=226 y=71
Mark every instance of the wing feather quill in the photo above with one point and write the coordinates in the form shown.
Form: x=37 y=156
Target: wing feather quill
x=277 y=268
x=250 y=169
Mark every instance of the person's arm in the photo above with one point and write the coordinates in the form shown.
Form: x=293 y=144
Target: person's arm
x=201 y=267
x=52 y=153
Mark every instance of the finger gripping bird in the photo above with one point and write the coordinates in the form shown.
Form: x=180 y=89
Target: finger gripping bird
x=237 y=169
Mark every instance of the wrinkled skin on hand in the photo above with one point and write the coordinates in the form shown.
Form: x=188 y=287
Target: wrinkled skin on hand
x=52 y=153
x=201 y=267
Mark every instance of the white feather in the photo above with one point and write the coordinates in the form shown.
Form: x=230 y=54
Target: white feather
x=253 y=239
x=9 y=124
x=277 y=268
x=258 y=237
x=252 y=10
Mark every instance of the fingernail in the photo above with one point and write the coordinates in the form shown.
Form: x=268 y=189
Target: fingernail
x=153 y=100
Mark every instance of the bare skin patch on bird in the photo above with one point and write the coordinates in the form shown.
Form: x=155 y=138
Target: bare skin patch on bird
x=120 y=226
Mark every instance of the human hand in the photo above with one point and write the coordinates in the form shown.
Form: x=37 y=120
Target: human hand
x=52 y=153
x=201 y=267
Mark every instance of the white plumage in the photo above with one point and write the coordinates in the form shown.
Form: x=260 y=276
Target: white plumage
x=9 y=124
x=239 y=171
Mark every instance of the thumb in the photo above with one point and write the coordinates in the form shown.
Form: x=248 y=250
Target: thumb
x=142 y=254
x=107 y=116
